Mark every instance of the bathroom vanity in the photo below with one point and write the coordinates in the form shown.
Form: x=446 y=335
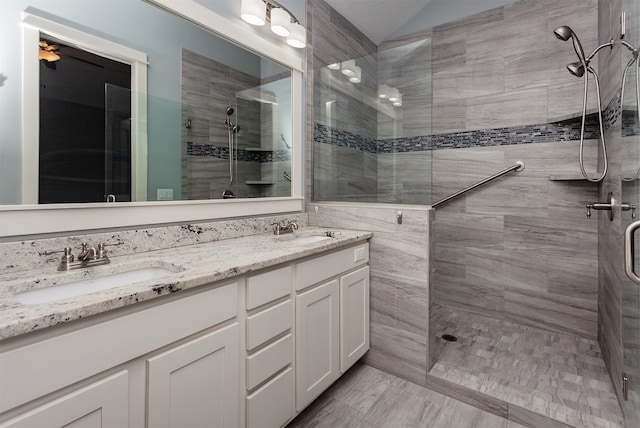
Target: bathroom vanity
x=242 y=332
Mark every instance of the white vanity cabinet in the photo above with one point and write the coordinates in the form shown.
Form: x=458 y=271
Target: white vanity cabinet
x=188 y=344
x=332 y=319
x=251 y=351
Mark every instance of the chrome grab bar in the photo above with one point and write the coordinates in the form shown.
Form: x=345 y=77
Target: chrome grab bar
x=629 y=252
x=519 y=166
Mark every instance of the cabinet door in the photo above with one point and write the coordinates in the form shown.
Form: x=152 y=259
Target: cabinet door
x=104 y=403
x=317 y=341
x=196 y=384
x=354 y=317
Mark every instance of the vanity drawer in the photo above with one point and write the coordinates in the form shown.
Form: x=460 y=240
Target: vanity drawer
x=269 y=323
x=269 y=286
x=268 y=361
x=321 y=268
x=272 y=405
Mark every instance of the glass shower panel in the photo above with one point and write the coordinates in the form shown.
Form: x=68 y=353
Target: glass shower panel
x=372 y=127
x=404 y=123
x=345 y=165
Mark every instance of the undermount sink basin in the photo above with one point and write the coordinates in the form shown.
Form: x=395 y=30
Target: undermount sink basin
x=304 y=238
x=308 y=239
x=90 y=285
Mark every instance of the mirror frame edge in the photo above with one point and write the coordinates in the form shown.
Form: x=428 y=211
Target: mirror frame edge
x=24 y=220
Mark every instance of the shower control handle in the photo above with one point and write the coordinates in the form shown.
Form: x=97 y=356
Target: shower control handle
x=629 y=252
x=598 y=206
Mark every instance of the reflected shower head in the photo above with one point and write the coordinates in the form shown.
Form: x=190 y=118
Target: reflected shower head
x=565 y=33
x=576 y=68
x=230 y=111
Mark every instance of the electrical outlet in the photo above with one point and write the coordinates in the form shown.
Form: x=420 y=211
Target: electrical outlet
x=165 y=194
x=358 y=254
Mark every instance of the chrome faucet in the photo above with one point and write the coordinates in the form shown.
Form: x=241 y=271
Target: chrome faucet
x=285 y=226
x=88 y=256
x=87 y=253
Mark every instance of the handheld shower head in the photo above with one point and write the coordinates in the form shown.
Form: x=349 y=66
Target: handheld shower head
x=576 y=68
x=565 y=33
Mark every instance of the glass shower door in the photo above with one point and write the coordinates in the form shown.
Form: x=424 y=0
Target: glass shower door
x=631 y=196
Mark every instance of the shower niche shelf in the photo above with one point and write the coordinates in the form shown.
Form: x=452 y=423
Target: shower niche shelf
x=575 y=176
x=259 y=183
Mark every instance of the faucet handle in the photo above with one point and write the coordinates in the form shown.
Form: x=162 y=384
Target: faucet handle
x=66 y=259
x=102 y=252
x=66 y=250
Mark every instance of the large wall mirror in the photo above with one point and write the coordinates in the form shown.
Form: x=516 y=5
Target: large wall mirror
x=138 y=104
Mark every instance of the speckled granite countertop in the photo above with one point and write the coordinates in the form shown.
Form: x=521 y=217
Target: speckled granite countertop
x=196 y=265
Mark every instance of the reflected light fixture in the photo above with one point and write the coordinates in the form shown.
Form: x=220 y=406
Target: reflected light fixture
x=394 y=95
x=283 y=23
x=334 y=66
x=397 y=102
x=48 y=52
x=357 y=75
x=383 y=92
x=348 y=67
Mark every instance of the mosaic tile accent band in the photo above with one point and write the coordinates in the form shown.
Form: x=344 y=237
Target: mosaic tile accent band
x=219 y=152
x=566 y=130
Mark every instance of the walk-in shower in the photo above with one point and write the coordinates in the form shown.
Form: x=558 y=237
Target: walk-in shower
x=582 y=68
x=514 y=269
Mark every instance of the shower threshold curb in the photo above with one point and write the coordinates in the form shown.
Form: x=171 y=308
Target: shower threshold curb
x=494 y=405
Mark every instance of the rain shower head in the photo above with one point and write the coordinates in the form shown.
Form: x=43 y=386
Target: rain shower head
x=576 y=68
x=565 y=33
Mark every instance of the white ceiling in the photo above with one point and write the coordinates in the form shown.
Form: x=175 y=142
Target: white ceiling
x=379 y=20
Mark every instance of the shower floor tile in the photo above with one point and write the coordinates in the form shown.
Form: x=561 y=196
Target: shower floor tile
x=560 y=376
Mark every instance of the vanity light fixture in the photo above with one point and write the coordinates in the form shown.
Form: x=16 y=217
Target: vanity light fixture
x=254 y=12
x=280 y=22
x=283 y=23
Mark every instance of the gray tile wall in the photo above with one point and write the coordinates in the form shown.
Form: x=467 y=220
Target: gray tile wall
x=520 y=248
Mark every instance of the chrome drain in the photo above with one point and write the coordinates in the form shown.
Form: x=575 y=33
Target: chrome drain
x=449 y=337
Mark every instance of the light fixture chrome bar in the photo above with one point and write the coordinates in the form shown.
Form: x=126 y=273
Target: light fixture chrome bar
x=519 y=166
x=274 y=4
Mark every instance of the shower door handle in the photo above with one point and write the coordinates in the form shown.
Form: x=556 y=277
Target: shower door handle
x=629 y=252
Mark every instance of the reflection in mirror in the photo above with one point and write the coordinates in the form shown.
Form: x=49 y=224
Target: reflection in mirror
x=161 y=138
x=85 y=129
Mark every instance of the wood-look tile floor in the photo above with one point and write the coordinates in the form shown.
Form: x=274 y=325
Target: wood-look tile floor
x=557 y=375
x=366 y=397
